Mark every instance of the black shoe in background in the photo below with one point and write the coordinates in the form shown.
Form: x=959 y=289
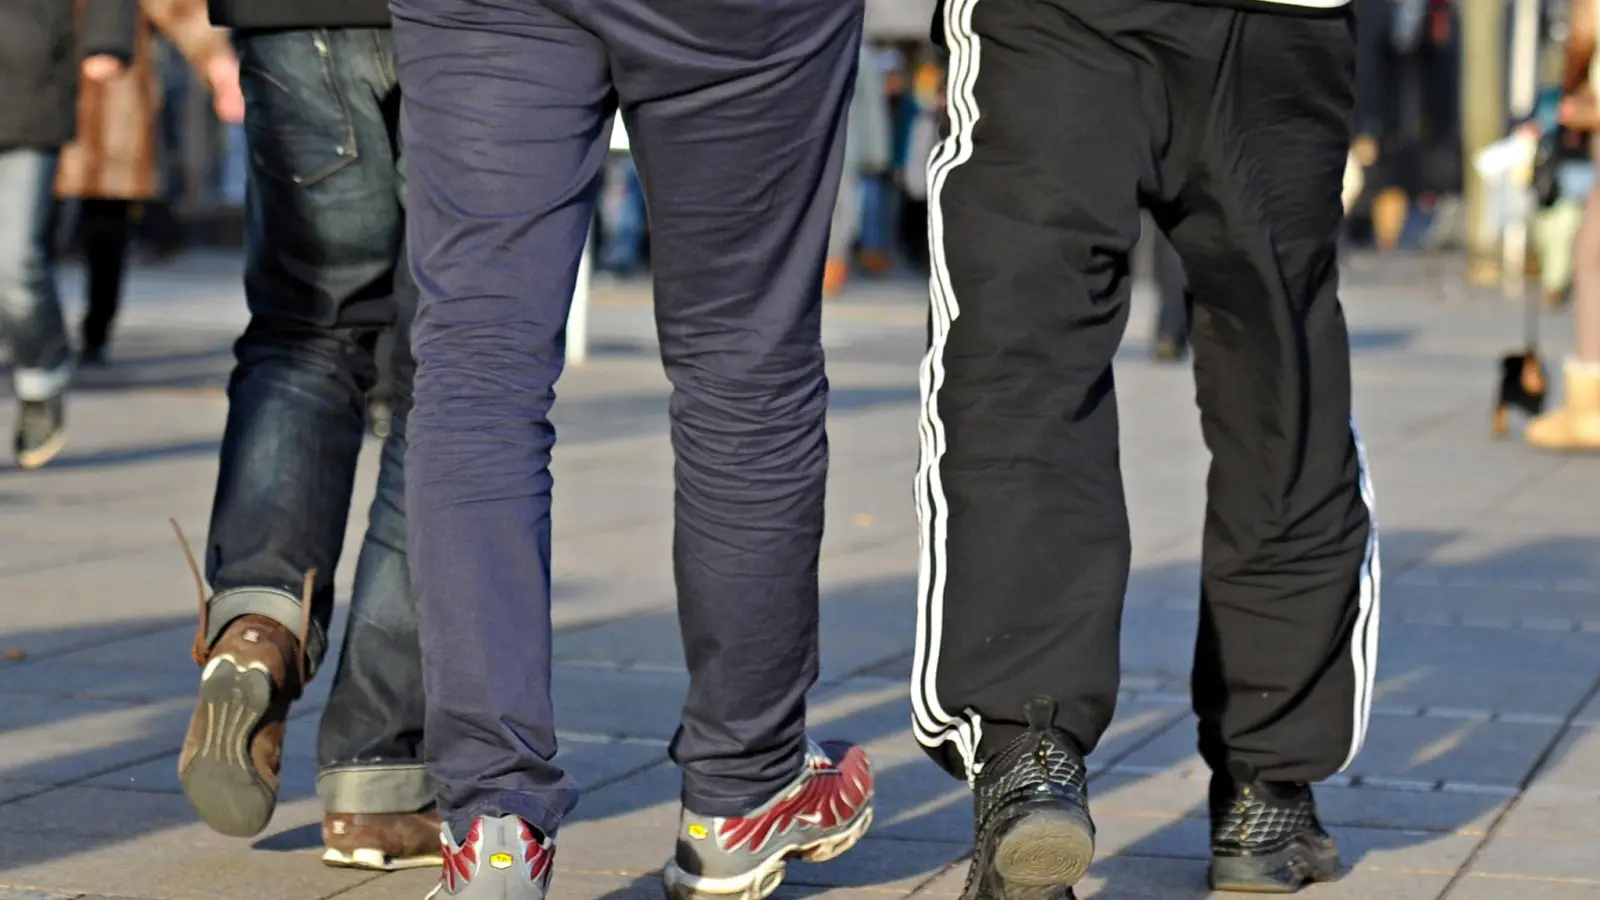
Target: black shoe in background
x=1266 y=838
x=92 y=356
x=1169 y=349
x=41 y=431
x=1034 y=835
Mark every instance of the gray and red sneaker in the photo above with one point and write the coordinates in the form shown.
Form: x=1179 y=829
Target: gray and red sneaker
x=825 y=812
x=501 y=858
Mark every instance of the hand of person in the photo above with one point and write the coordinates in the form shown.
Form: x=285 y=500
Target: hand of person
x=1365 y=150
x=1579 y=111
x=222 y=73
x=101 y=67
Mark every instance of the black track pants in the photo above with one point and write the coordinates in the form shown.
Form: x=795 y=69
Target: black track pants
x=1066 y=118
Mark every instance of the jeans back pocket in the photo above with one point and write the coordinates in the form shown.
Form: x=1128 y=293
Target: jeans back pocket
x=297 y=120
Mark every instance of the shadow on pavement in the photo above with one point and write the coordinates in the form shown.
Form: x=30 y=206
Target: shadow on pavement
x=1428 y=647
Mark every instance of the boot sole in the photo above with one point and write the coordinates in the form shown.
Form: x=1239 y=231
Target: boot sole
x=38 y=457
x=373 y=860
x=221 y=779
x=764 y=880
x=1300 y=864
x=1044 y=853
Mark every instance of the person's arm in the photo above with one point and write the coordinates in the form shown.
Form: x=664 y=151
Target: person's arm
x=186 y=24
x=1580 y=46
x=108 y=32
x=1372 y=29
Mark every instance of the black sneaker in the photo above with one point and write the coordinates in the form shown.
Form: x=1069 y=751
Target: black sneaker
x=1266 y=839
x=41 y=431
x=1169 y=349
x=1031 y=808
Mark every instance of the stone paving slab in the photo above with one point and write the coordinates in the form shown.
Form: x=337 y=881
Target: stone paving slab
x=1479 y=778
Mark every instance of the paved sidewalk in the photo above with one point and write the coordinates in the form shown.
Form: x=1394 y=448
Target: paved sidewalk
x=1481 y=778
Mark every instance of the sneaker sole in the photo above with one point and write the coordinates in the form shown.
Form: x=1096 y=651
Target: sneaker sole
x=1284 y=872
x=221 y=780
x=764 y=880
x=377 y=861
x=41 y=455
x=1044 y=853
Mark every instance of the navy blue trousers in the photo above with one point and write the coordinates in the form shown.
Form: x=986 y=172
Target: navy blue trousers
x=736 y=112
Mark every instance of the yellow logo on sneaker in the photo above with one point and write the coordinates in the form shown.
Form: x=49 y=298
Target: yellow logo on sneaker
x=697 y=831
x=501 y=860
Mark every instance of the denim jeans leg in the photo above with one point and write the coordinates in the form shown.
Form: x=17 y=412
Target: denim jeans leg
x=324 y=232
x=30 y=311
x=369 y=750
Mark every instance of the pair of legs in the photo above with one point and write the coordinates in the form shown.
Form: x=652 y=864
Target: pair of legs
x=30 y=311
x=325 y=275
x=1231 y=128
x=1575 y=425
x=103 y=225
x=735 y=112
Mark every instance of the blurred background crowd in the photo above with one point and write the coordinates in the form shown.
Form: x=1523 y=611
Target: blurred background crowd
x=159 y=165
x=1420 y=118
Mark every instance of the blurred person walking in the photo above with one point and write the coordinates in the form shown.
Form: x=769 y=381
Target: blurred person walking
x=1230 y=123
x=325 y=276
x=866 y=157
x=921 y=110
x=41 y=53
x=113 y=161
x=1575 y=425
x=736 y=113
x=1172 y=297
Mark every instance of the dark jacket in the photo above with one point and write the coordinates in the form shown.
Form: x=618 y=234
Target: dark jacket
x=40 y=51
x=282 y=14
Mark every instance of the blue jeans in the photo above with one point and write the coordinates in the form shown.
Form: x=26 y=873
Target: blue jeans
x=325 y=275
x=30 y=311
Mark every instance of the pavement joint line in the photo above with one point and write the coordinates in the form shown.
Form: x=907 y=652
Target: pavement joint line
x=78 y=781
x=1193 y=770
x=98 y=556
x=92 y=644
x=1539 y=765
x=1556 y=624
x=49 y=892
x=1429 y=425
x=1577 y=881
x=348 y=889
x=1420 y=577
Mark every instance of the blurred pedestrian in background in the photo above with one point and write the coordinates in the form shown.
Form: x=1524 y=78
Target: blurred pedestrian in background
x=1563 y=189
x=113 y=162
x=41 y=45
x=1172 y=292
x=1575 y=425
x=921 y=109
x=866 y=156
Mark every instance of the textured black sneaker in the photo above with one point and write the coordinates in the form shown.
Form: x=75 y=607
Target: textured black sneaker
x=41 y=431
x=1266 y=838
x=1031 y=810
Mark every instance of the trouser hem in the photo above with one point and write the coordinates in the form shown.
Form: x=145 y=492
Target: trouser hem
x=736 y=805
x=35 y=385
x=505 y=803
x=375 y=788
x=274 y=603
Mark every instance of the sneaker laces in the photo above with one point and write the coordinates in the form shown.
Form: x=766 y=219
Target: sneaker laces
x=201 y=651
